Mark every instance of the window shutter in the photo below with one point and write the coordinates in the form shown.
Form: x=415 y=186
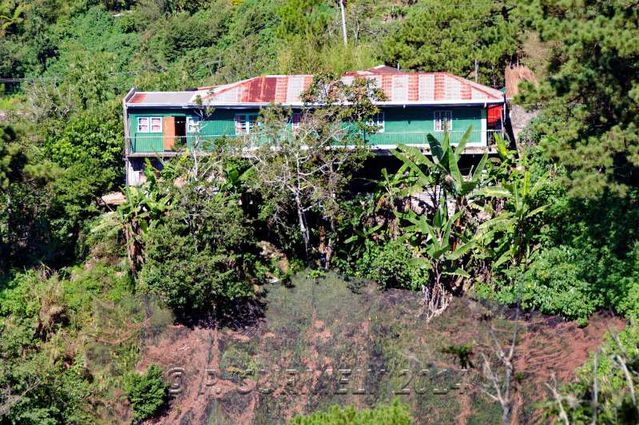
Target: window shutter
x=443 y=120
x=449 y=120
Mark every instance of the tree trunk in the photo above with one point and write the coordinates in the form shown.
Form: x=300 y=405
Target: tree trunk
x=301 y=217
x=343 y=11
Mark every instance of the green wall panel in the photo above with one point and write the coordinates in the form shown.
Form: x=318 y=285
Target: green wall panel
x=411 y=125
x=408 y=125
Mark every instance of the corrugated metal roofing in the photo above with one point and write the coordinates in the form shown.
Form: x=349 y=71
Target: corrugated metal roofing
x=400 y=88
x=168 y=98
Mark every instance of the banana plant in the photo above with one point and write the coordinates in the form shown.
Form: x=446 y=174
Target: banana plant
x=441 y=176
x=446 y=159
x=144 y=206
x=442 y=251
x=440 y=228
x=440 y=248
x=431 y=200
x=510 y=231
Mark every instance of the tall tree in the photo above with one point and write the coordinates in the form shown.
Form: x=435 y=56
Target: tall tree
x=590 y=120
x=306 y=168
x=451 y=36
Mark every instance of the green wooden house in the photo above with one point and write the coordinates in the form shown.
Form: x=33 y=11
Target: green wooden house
x=416 y=104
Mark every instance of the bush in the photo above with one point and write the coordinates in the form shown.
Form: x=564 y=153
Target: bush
x=147 y=392
x=395 y=413
x=571 y=282
x=391 y=265
x=201 y=255
x=189 y=279
x=50 y=375
x=554 y=283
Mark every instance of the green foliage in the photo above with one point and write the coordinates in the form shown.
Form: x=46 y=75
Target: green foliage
x=201 y=253
x=392 y=265
x=147 y=392
x=553 y=283
x=92 y=134
x=395 y=413
x=552 y=252
x=144 y=206
x=444 y=228
x=424 y=225
x=591 y=101
x=511 y=236
x=463 y=353
x=12 y=158
x=304 y=17
x=611 y=373
x=51 y=329
x=299 y=175
x=193 y=235
x=452 y=36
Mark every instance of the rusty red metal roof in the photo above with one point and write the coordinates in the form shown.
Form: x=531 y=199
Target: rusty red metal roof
x=284 y=89
x=137 y=98
x=400 y=88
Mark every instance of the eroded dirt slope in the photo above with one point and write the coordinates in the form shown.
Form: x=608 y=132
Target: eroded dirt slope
x=323 y=342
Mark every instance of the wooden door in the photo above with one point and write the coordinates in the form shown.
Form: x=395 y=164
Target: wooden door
x=168 y=131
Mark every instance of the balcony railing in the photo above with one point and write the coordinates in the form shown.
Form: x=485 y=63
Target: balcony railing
x=145 y=144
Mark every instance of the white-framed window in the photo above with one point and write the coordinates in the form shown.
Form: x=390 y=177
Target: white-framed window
x=378 y=120
x=156 y=125
x=193 y=124
x=143 y=125
x=245 y=123
x=443 y=120
x=149 y=124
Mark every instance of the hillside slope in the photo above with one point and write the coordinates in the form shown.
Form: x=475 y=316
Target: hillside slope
x=292 y=361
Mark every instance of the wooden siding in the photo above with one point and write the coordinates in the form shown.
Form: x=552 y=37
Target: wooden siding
x=409 y=125
x=412 y=125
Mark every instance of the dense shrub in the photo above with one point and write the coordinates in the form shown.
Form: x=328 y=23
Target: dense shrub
x=147 y=392
x=64 y=339
x=190 y=280
x=395 y=413
x=555 y=282
x=391 y=265
x=201 y=255
x=572 y=282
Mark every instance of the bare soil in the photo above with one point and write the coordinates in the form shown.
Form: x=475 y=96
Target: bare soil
x=323 y=342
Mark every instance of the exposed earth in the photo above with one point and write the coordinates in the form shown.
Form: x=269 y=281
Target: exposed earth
x=295 y=359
